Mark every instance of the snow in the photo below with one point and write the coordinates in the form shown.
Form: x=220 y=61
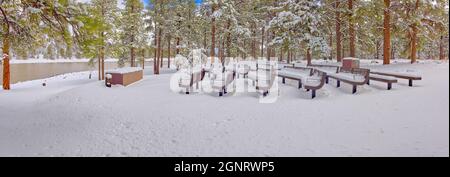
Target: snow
x=124 y=70
x=348 y=76
x=382 y=77
x=76 y=116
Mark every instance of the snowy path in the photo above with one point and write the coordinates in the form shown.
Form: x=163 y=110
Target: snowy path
x=80 y=117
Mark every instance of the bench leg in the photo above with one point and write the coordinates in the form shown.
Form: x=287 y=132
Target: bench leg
x=338 y=83
x=300 y=85
x=284 y=80
x=389 y=86
x=326 y=80
x=313 y=94
x=354 y=89
x=410 y=82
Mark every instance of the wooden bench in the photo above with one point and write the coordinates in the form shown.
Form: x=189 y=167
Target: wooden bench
x=305 y=81
x=222 y=84
x=386 y=79
x=123 y=76
x=194 y=78
x=325 y=68
x=354 y=71
x=285 y=76
x=314 y=86
x=243 y=70
x=263 y=80
x=410 y=78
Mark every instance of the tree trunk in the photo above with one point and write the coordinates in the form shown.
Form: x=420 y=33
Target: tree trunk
x=289 y=56
x=159 y=59
x=441 y=48
x=308 y=56
x=102 y=57
x=262 y=40
x=414 y=44
x=377 y=56
x=387 y=33
x=213 y=36
x=178 y=45
x=143 y=58
x=331 y=45
x=281 y=54
x=352 y=30
x=133 y=55
x=155 y=58
x=228 y=39
x=99 y=58
x=414 y=37
x=168 y=53
x=338 y=32
x=6 y=72
x=253 y=41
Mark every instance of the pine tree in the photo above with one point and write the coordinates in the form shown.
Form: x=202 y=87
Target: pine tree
x=23 y=20
x=132 y=28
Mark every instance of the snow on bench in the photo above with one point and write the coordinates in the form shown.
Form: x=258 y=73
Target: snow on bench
x=124 y=70
x=387 y=79
x=348 y=76
x=401 y=75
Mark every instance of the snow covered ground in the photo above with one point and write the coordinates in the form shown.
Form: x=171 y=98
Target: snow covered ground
x=75 y=116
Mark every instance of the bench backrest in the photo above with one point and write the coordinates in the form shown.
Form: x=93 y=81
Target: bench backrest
x=309 y=70
x=230 y=77
x=197 y=76
x=334 y=68
x=359 y=71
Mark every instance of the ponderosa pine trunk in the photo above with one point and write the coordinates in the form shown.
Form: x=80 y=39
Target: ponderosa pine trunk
x=143 y=58
x=178 y=45
x=253 y=41
x=155 y=58
x=387 y=33
x=213 y=36
x=158 y=60
x=262 y=41
x=102 y=55
x=351 y=30
x=228 y=38
x=99 y=58
x=6 y=72
x=414 y=36
x=281 y=54
x=168 y=52
x=331 y=45
x=308 y=56
x=441 y=48
x=414 y=44
x=338 y=32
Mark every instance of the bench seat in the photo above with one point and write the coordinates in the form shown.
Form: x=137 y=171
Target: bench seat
x=380 y=78
x=407 y=76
